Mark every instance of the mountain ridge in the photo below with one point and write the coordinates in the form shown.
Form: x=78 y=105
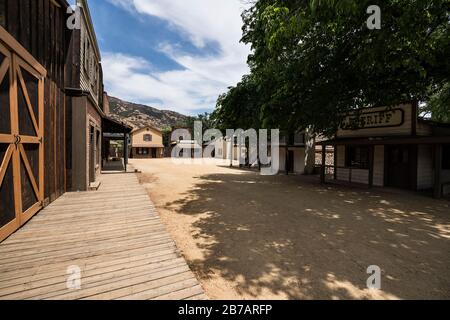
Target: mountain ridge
x=140 y=115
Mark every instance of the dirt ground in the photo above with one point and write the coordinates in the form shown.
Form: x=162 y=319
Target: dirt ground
x=248 y=236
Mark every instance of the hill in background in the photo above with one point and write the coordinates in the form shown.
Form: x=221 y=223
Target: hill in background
x=138 y=115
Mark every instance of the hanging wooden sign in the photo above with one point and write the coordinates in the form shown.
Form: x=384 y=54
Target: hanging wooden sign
x=374 y=119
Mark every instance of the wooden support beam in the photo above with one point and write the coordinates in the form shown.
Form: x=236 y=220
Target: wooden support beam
x=335 y=150
x=437 y=171
x=125 y=150
x=371 y=162
x=322 y=168
x=286 y=159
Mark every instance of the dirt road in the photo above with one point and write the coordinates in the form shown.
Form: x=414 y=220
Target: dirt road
x=248 y=236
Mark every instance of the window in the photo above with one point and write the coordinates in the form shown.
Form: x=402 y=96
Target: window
x=446 y=157
x=86 y=54
x=147 y=137
x=291 y=139
x=142 y=151
x=357 y=157
x=95 y=76
x=299 y=138
x=282 y=138
x=91 y=67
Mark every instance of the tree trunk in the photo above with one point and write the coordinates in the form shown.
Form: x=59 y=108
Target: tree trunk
x=286 y=156
x=257 y=156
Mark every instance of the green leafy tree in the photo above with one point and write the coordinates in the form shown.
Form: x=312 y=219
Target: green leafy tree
x=317 y=60
x=438 y=107
x=166 y=132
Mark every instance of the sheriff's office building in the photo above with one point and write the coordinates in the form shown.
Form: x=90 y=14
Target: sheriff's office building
x=391 y=147
x=146 y=142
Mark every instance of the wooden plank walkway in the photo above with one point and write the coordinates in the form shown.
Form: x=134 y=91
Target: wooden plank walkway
x=114 y=236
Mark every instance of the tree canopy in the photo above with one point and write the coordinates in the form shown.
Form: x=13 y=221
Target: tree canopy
x=313 y=61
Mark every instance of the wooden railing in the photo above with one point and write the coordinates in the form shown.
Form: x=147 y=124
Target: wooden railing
x=330 y=170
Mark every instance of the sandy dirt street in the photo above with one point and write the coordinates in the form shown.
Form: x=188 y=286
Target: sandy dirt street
x=248 y=236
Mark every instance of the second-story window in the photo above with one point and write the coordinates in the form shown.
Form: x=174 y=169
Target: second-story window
x=92 y=68
x=299 y=138
x=86 y=55
x=147 y=137
x=95 y=75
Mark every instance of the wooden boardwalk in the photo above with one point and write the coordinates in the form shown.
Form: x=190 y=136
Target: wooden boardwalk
x=113 y=235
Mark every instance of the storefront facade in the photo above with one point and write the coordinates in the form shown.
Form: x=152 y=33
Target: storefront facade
x=391 y=148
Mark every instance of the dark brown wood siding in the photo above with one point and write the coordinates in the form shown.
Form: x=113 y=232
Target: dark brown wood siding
x=40 y=27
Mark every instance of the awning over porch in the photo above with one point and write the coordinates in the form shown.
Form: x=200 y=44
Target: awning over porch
x=110 y=125
x=144 y=145
x=114 y=130
x=386 y=140
x=392 y=155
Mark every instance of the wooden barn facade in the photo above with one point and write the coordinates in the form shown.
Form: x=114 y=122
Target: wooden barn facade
x=33 y=50
x=52 y=106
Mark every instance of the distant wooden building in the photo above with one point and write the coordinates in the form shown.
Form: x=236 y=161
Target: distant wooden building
x=146 y=142
x=295 y=154
x=393 y=148
x=225 y=149
x=186 y=149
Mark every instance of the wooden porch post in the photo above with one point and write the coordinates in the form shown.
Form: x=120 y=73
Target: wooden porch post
x=322 y=168
x=335 y=150
x=437 y=171
x=371 y=161
x=286 y=159
x=125 y=150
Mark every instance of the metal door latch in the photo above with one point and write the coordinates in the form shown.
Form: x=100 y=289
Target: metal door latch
x=17 y=140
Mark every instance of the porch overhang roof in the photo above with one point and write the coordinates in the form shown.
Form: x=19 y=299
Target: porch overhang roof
x=142 y=145
x=386 y=140
x=110 y=125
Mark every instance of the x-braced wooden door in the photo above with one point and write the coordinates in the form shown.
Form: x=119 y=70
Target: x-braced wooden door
x=21 y=141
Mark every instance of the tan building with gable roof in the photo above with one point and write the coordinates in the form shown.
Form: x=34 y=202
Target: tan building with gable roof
x=146 y=143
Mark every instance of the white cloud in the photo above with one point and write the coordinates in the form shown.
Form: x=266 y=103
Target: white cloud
x=204 y=76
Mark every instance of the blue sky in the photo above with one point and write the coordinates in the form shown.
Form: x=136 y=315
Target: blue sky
x=171 y=54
